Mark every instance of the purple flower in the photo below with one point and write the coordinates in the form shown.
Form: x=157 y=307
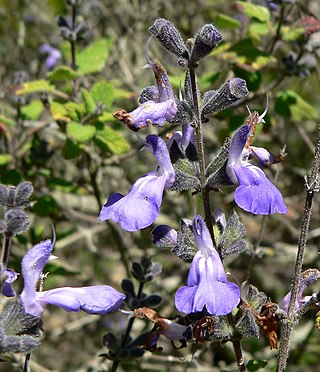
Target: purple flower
x=255 y=193
x=141 y=206
x=53 y=55
x=10 y=276
x=99 y=299
x=158 y=104
x=308 y=277
x=207 y=283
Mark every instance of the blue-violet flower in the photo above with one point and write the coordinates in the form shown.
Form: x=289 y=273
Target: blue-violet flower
x=53 y=55
x=141 y=206
x=99 y=299
x=158 y=104
x=207 y=283
x=255 y=193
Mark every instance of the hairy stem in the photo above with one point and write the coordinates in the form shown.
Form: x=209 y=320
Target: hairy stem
x=6 y=248
x=311 y=188
x=236 y=342
x=201 y=155
x=128 y=331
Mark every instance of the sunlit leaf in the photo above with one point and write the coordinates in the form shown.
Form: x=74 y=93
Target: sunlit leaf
x=61 y=73
x=75 y=110
x=290 y=104
x=5 y=159
x=92 y=59
x=6 y=120
x=245 y=53
x=88 y=101
x=102 y=92
x=35 y=86
x=59 y=112
x=254 y=11
x=111 y=141
x=224 y=21
x=291 y=34
x=32 y=111
x=80 y=133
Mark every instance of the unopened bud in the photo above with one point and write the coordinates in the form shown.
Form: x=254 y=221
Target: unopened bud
x=17 y=221
x=230 y=92
x=205 y=41
x=23 y=193
x=169 y=36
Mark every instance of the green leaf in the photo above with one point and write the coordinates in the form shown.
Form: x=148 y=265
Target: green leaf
x=46 y=206
x=80 y=133
x=256 y=364
x=35 y=86
x=62 y=73
x=75 y=110
x=102 y=92
x=291 y=34
x=224 y=21
x=72 y=150
x=88 y=100
x=290 y=104
x=59 y=6
x=111 y=141
x=59 y=112
x=258 y=12
x=244 y=52
x=107 y=116
x=256 y=30
x=92 y=59
x=6 y=121
x=32 y=111
x=252 y=78
x=5 y=159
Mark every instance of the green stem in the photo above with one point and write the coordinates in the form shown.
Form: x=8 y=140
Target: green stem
x=311 y=189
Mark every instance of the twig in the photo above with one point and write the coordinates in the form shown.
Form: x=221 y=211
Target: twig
x=312 y=186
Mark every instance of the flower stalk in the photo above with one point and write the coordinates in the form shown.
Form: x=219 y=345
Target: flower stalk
x=201 y=154
x=312 y=186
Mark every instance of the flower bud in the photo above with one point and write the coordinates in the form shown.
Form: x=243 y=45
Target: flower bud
x=230 y=92
x=169 y=36
x=23 y=193
x=17 y=221
x=4 y=194
x=205 y=41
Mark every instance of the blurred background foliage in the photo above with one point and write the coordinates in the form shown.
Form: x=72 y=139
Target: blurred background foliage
x=57 y=131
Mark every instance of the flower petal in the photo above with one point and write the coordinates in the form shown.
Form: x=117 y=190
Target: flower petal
x=160 y=152
x=256 y=194
x=140 y=207
x=219 y=296
x=32 y=266
x=99 y=299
